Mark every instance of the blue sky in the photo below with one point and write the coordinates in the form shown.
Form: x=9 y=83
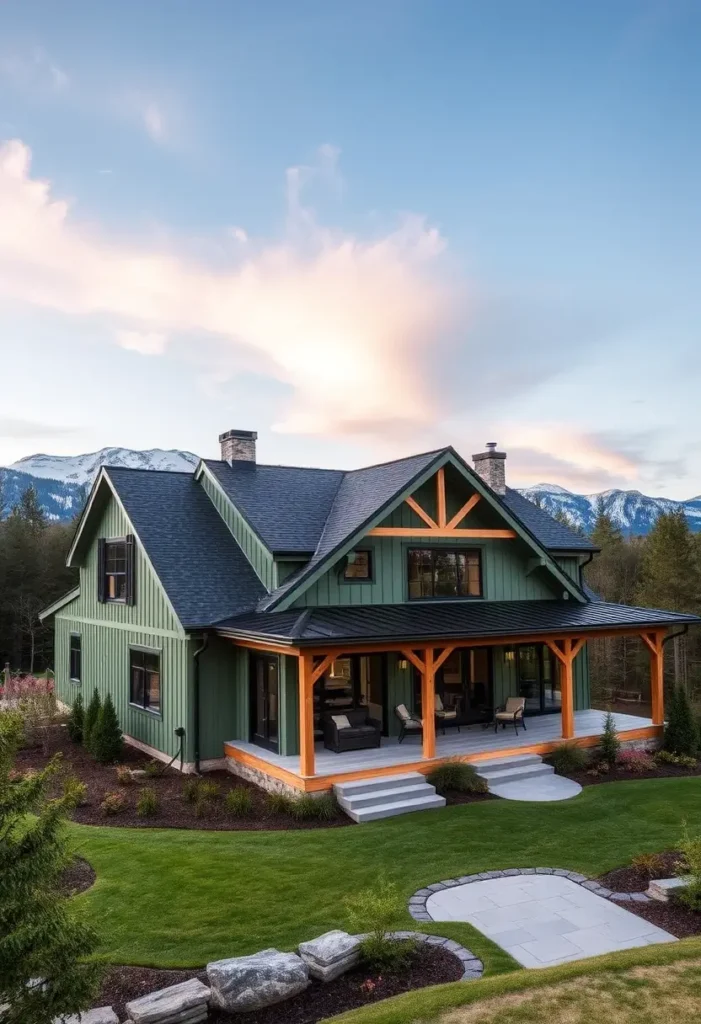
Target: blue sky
x=361 y=229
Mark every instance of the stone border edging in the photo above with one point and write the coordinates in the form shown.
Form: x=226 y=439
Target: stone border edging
x=417 y=902
x=472 y=966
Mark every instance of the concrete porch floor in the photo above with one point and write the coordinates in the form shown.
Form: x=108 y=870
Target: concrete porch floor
x=473 y=742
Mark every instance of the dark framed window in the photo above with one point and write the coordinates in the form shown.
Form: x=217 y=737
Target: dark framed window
x=145 y=679
x=444 y=573
x=115 y=582
x=75 y=658
x=360 y=568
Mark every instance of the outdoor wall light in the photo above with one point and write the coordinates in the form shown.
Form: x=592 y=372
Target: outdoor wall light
x=403 y=664
x=509 y=654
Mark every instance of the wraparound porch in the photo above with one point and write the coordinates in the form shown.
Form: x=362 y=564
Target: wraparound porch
x=474 y=744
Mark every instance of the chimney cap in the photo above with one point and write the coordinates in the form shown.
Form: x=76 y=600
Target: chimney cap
x=244 y=435
x=490 y=453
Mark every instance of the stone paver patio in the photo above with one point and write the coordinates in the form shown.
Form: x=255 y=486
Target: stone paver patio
x=542 y=920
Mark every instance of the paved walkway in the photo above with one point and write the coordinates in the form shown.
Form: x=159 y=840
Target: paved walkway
x=542 y=920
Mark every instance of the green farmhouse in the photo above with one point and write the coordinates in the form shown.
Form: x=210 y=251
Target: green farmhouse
x=307 y=626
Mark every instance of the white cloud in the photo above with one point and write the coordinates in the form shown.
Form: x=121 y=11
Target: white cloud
x=345 y=322
x=148 y=343
x=154 y=121
x=239 y=235
x=33 y=70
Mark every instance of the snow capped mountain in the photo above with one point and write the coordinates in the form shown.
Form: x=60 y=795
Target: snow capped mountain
x=632 y=511
x=82 y=469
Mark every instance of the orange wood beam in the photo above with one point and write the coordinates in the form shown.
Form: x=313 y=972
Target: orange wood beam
x=428 y=704
x=422 y=513
x=325 y=665
x=649 y=641
x=567 y=690
x=268 y=648
x=464 y=511
x=440 y=496
x=578 y=645
x=441 y=531
x=306 y=714
x=657 y=678
x=413 y=658
x=443 y=656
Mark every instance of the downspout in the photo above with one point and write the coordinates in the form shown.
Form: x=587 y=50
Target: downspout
x=196 y=699
x=582 y=567
x=680 y=632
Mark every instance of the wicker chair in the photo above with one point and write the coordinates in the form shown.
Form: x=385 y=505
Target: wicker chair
x=408 y=722
x=511 y=713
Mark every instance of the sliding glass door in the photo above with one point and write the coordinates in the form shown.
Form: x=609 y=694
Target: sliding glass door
x=264 y=700
x=537 y=679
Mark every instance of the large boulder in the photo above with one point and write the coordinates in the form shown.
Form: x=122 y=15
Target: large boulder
x=100 y=1015
x=185 y=1003
x=251 y=982
x=331 y=954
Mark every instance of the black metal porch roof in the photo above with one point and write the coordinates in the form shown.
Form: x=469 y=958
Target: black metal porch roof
x=448 y=619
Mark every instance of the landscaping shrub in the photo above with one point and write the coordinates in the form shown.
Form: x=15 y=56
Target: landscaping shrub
x=456 y=777
x=279 y=803
x=40 y=936
x=208 y=790
x=106 y=736
x=113 y=803
x=311 y=808
x=599 y=768
x=610 y=744
x=153 y=768
x=124 y=775
x=681 y=735
x=190 y=790
x=638 y=761
x=75 y=719
x=76 y=791
x=90 y=718
x=690 y=895
x=33 y=698
x=326 y=807
x=147 y=802
x=649 y=864
x=568 y=757
x=239 y=802
x=681 y=760
x=375 y=911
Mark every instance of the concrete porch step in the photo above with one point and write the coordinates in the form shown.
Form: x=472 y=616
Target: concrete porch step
x=349 y=789
x=390 y=810
x=497 y=763
x=382 y=796
x=526 y=771
x=385 y=797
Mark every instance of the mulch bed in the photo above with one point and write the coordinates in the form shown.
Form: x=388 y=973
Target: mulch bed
x=427 y=966
x=663 y=771
x=77 y=877
x=173 y=810
x=451 y=797
x=672 y=916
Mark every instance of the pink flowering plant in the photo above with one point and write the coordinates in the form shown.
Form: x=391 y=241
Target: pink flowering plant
x=34 y=698
x=638 y=761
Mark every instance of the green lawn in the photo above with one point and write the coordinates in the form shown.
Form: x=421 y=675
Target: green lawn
x=180 y=898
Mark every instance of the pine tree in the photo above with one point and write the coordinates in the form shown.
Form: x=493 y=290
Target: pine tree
x=106 y=736
x=610 y=743
x=681 y=735
x=90 y=719
x=76 y=719
x=560 y=516
x=29 y=510
x=39 y=936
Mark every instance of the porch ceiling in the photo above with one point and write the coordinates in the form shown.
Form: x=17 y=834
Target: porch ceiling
x=424 y=621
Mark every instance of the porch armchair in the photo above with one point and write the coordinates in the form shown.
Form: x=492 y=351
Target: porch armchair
x=408 y=721
x=361 y=732
x=443 y=714
x=511 y=713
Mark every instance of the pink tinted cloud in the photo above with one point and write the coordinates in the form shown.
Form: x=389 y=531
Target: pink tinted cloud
x=338 y=318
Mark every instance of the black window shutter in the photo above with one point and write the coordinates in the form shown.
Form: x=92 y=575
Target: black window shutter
x=131 y=581
x=101 y=589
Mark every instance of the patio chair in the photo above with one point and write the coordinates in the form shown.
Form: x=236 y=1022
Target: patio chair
x=511 y=712
x=444 y=714
x=408 y=722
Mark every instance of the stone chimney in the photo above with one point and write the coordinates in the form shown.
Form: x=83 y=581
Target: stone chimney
x=490 y=466
x=238 y=446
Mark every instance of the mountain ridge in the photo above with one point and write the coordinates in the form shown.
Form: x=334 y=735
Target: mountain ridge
x=62 y=482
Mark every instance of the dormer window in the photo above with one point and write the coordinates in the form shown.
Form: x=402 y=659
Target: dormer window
x=358 y=565
x=115 y=582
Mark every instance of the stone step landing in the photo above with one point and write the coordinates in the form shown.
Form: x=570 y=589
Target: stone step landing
x=525 y=777
x=371 y=799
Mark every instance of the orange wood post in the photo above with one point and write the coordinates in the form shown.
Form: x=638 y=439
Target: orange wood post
x=306 y=714
x=440 y=497
x=657 y=679
x=428 y=704
x=567 y=690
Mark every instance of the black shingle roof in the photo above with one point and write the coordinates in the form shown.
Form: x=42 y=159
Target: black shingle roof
x=443 y=620
x=548 y=532
x=203 y=570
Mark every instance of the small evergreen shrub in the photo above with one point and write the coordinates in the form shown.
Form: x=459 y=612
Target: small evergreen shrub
x=90 y=718
x=681 y=735
x=638 y=761
x=679 y=760
x=610 y=744
x=106 y=736
x=568 y=757
x=113 y=803
x=124 y=775
x=690 y=895
x=76 y=792
x=147 y=802
x=456 y=777
x=239 y=802
x=279 y=803
x=74 y=723
x=375 y=911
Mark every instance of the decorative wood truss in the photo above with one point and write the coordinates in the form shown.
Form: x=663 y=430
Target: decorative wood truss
x=444 y=527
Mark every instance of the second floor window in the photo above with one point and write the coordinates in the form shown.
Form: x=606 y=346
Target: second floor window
x=444 y=572
x=75 y=658
x=116 y=570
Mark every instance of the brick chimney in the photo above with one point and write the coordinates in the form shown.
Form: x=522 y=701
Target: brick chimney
x=490 y=466
x=238 y=446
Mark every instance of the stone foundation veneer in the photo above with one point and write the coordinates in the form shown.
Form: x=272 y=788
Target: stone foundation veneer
x=263 y=781
x=417 y=902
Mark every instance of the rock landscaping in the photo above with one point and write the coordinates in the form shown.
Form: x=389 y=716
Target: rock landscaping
x=644 y=881
x=331 y=955
x=253 y=982
x=186 y=1003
